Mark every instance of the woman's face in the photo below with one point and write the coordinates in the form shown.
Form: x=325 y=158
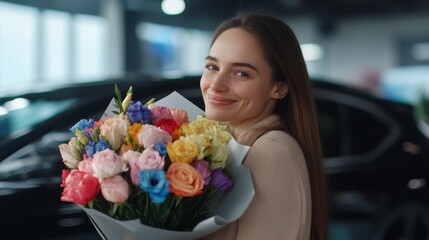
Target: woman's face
x=237 y=83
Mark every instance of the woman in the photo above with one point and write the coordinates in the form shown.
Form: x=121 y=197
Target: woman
x=255 y=79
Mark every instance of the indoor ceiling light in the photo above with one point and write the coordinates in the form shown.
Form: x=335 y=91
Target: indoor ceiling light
x=173 y=7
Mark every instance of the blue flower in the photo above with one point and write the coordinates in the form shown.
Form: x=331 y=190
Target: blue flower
x=154 y=182
x=92 y=147
x=83 y=125
x=138 y=113
x=160 y=147
x=101 y=145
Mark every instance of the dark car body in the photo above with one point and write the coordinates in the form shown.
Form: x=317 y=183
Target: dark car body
x=375 y=155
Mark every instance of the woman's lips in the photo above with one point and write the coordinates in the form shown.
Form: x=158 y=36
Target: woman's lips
x=220 y=101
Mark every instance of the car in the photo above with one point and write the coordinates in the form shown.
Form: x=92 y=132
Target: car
x=375 y=157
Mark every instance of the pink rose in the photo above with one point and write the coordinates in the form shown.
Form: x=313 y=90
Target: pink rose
x=159 y=113
x=86 y=166
x=180 y=115
x=150 y=159
x=150 y=135
x=79 y=187
x=132 y=157
x=115 y=189
x=114 y=130
x=107 y=163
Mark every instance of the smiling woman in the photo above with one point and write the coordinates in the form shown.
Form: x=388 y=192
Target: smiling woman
x=256 y=81
x=238 y=85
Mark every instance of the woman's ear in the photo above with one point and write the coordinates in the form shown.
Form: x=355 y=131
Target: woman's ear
x=281 y=90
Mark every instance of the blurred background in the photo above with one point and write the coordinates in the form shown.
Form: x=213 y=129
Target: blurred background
x=369 y=60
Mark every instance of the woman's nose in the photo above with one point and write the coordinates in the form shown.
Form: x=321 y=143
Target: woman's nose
x=219 y=83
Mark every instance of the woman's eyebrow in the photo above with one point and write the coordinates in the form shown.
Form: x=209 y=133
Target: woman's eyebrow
x=248 y=65
x=211 y=58
x=238 y=64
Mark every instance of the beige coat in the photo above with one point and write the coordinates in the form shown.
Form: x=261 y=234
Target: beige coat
x=281 y=208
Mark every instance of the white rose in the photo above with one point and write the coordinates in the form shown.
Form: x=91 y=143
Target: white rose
x=67 y=154
x=114 y=130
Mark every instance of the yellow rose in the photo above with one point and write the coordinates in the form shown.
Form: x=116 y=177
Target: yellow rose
x=218 y=156
x=203 y=143
x=184 y=180
x=198 y=126
x=221 y=135
x=182 y=150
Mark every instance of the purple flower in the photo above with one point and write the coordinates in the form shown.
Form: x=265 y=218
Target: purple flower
x=138 y=113
x=154 y=182
x=220 y=181
x=202 y=167
x=84 y=126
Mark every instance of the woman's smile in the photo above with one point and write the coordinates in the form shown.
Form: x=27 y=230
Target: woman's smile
x=220 y=101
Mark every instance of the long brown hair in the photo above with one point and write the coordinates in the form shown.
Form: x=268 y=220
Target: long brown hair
x=297 y=109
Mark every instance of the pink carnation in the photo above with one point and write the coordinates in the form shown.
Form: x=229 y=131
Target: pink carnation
x=180 y=115
x=159 y=113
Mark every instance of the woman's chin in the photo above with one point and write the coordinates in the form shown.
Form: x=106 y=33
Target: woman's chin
x=216 y=116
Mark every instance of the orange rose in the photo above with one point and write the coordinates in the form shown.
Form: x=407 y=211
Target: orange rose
x=133 y=130
x=185 y=180
x=182 y=150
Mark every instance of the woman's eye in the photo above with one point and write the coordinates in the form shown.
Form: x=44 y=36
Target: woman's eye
x=242 y=74
x=211 y=67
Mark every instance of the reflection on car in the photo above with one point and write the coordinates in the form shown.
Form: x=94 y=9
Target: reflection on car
x=375 y=155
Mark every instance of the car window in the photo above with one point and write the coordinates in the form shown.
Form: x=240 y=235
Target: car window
x=366 y=131
x=22 y=119
x=347 y=130
x=329 y=126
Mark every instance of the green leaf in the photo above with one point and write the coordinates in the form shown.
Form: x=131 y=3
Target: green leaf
x=114 y=209
x=152 y=100
x=118 y=99
x=95 y=134
x=118 y=93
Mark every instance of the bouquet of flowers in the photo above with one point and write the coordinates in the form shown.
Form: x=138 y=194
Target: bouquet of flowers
x=147 y=171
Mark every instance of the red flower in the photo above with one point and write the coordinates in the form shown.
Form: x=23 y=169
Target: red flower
x=79 y=187
x=168 y=125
